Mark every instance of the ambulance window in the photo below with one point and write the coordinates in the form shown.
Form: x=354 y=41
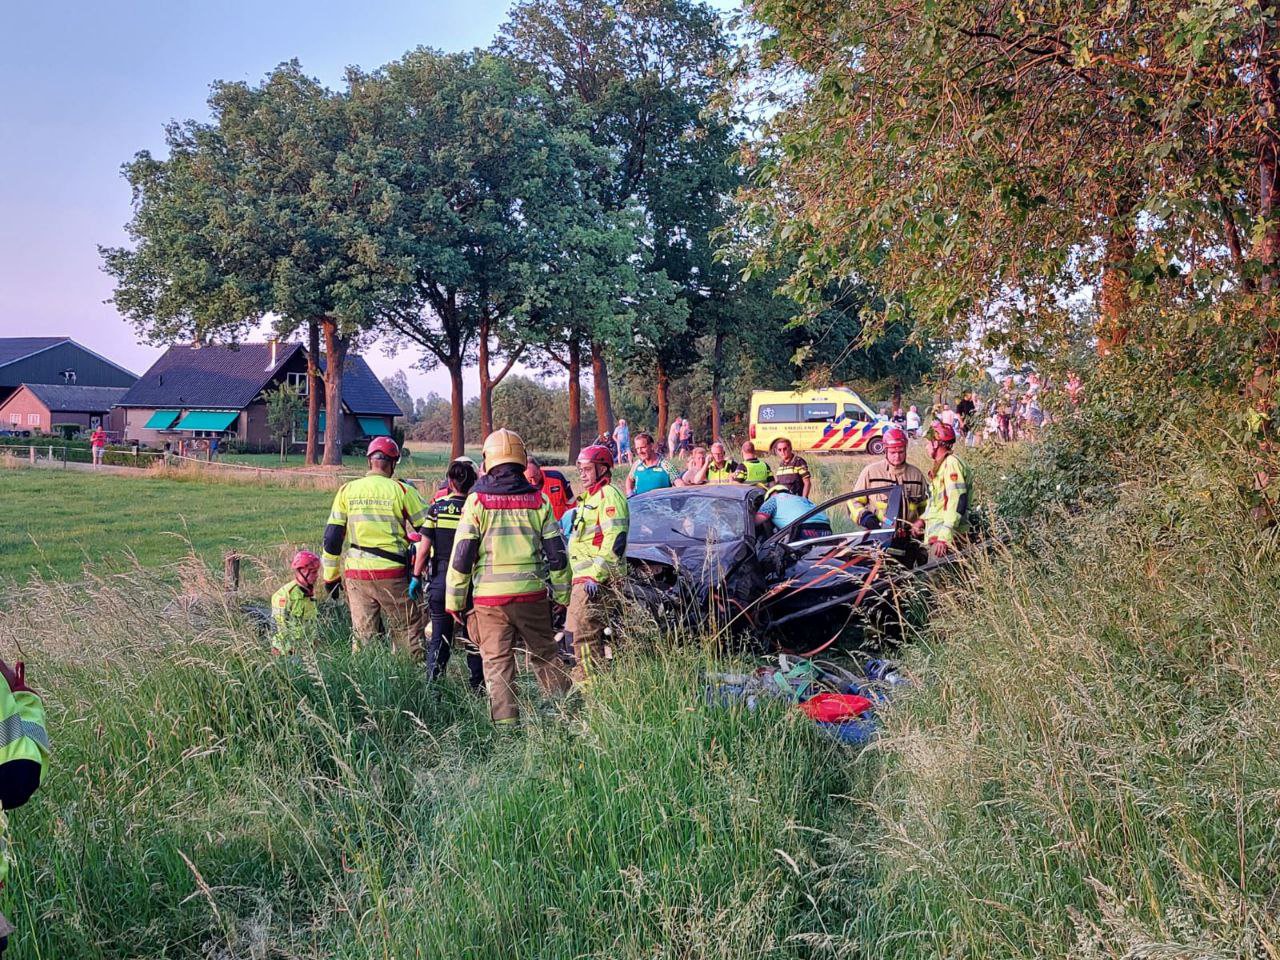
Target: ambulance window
x=817 y=412
x=779 y=413
x=855 y=413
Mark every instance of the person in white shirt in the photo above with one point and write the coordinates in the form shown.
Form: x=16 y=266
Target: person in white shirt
x=913 y=421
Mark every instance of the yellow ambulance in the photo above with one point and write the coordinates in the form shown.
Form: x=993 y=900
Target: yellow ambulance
x=833 y=419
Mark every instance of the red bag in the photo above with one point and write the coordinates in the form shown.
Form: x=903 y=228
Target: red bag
x=834 y=707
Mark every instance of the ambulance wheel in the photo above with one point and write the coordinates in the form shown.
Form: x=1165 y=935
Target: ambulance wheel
x=876 y=446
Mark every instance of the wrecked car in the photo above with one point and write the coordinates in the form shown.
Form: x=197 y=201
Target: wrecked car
x=696 y=556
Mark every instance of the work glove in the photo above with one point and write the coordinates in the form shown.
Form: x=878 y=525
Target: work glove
x=332 y=587
x=591 y=588
x=15 y=676
x=868 y=520
x=415 y=588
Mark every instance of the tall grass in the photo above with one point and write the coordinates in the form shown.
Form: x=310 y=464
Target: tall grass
x=1090 y=764
x=205 y=800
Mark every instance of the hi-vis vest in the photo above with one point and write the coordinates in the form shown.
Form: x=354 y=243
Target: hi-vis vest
x=598 y=539
x=373 y=510
x=295 y=616
x=22 y=737
x=947 y=516
x=439 y=530
x=754 y=471
x=503 y=535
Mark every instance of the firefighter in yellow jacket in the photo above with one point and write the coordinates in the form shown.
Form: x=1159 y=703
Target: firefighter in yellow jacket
x=597 y=552
x=371 y=518
x=293 y=606
x=24 y=747
x=945 y=523
x=508 y=552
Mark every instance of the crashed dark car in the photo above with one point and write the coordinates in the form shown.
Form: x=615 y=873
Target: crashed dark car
x=696 y=556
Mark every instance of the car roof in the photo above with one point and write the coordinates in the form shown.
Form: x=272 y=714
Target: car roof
x=723 y=491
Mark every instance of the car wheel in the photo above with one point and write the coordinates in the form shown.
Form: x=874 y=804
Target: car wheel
x=876 y=446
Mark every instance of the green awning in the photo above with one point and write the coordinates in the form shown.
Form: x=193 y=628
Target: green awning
x=215 y=420
x=161 y=420
x=373 y=426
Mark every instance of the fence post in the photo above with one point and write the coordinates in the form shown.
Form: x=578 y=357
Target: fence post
x=64 y=458
x=231 y=571
x=31 y=453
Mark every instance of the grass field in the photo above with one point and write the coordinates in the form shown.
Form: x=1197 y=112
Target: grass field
x=54 y=521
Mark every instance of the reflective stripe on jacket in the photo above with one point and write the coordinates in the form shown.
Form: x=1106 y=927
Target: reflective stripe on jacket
x=598 y=540
x=723 y=474
x=439 y=530
x=22 y=737
x=793 y=475
x=295 y=615
x=369 y=517
x=947 y=515
x=508 y=547
x=915 y=490
x=754 y=471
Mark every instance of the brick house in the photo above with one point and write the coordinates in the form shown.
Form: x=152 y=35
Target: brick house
x=40 y=407
x=217 y=391
x=56 y=360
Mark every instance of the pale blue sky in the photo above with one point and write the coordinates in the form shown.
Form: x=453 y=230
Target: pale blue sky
x=85 y=85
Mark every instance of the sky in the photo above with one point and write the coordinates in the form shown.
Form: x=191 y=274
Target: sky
x=89 y=83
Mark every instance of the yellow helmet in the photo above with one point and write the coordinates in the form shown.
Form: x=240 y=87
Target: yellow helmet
x=503 y=446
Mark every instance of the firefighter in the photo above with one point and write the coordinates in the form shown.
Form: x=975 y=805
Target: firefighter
x=432 y=557
x=597 y=551
x=869 y=511
x=372 y=517
x=24 y=747
x=508 y=550
x=946 y=520
x=793 y=470
x=293 y=606
x=753 y=469
x=553 y=485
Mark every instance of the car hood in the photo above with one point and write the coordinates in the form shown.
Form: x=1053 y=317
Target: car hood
x=704 y=561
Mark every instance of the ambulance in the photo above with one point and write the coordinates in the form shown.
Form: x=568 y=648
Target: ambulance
x=830 y=419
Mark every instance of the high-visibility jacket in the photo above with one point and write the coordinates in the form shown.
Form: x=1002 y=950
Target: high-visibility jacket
x=792 y=475
x=947 y=516
x=724 y=474
x=22 y=737
x=369 y=515
x=508 y=548
x=438 y=531
x=754 y=471
x=914 y=484
x=598 y=539
x=294 y=611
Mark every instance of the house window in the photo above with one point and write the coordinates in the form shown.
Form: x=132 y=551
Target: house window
x=15 y=419
x=299 y=382
x=33 y=419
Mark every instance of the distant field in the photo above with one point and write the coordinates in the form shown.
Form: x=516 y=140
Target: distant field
x=54 y=521
x=422 y=456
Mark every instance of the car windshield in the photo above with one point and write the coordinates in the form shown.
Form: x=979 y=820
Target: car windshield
x=687 y=516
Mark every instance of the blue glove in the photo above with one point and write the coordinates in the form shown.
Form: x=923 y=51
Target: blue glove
x=415 y=588
x=591 y=587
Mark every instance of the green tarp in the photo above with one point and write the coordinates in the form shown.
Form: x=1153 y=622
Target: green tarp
x=373 y=426
x=161 y=420
x=214 y=420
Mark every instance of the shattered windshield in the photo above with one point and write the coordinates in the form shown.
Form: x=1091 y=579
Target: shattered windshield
x=686 y=516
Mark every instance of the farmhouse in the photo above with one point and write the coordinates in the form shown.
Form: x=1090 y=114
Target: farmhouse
x=54 y=360
x=203 y=391
x=42 y=407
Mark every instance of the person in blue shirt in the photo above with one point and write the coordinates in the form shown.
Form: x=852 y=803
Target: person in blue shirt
x=650 y=471
x=781 y=509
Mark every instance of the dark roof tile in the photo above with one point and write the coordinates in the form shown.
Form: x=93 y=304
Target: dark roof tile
x=68 y=398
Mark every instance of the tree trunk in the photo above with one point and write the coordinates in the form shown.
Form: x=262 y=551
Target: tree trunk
x=313 y=392
x=600 y=386
x=897 y=395
x=664 y=385
x=335 y=358
x=1114 y=300
x=717 y=378
x=575 y=398
x=486 y=384
x=457 y=422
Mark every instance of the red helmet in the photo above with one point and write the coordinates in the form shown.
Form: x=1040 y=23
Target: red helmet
x=385 y=446
x=895 y=437
x=305 y=560
x=597 y=454
x=942 y=432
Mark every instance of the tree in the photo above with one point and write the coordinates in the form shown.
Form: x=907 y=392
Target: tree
x=263 y=210
x=482 y=189
x=639 y=75
x=284 y=404
x=398 y=386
